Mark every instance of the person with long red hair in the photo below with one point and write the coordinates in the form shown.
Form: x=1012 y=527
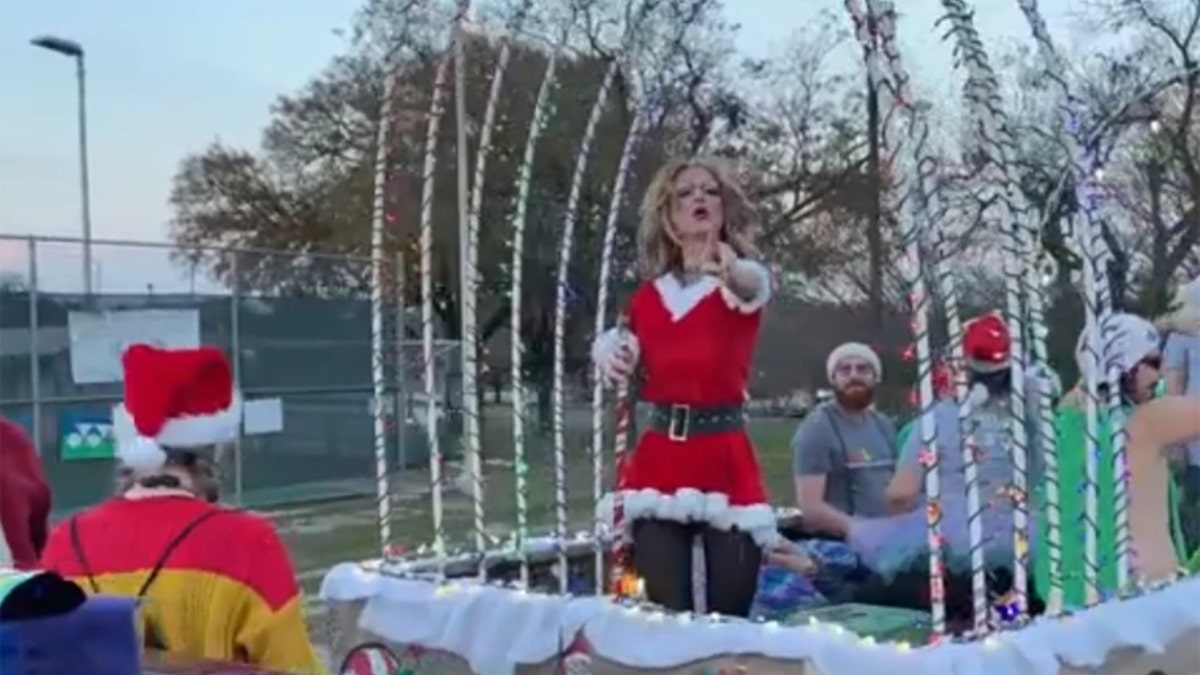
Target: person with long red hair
x=24 y=499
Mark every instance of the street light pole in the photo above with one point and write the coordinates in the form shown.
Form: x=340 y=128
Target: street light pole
x=75 y=50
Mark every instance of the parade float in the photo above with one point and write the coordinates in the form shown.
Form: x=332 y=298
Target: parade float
x=566 y=602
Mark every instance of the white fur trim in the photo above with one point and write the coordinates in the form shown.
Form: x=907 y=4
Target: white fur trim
x=182 y=432
x=142 y=454
x=760 y=299
x=849 y=350
x=688 y=506
x=605 y=349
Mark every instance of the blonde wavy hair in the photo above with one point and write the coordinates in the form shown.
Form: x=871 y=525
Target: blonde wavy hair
x=658 y=248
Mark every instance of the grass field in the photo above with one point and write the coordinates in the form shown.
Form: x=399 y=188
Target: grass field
x=322 y=535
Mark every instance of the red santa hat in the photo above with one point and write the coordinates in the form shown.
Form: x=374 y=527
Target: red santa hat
x=987 y=345
x=174 y=398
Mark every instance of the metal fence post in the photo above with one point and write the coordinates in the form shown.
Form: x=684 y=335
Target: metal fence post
x=35 y=349
x=235 y=347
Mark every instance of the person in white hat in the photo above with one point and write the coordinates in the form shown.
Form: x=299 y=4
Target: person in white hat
x=844 y=450
x=1155 y=423
x=217 y=582
x=1181 y=375
x=843 y=455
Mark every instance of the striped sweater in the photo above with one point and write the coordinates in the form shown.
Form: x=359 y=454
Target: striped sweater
x=227 y=592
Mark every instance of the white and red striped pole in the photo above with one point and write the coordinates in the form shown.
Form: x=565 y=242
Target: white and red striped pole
x=624 y=416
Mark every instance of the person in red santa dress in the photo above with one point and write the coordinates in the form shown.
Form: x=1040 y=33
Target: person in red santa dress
x=692 y=326
x=216 y=582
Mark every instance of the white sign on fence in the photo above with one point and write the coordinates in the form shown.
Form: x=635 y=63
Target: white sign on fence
x=99 y=338
x=262 y=416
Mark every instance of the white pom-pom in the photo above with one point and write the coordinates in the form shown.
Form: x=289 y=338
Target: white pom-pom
x=977 y=397
x=142 y=454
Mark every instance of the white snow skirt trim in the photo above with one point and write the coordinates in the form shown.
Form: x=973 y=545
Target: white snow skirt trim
x=691 y=506
x=760 y=299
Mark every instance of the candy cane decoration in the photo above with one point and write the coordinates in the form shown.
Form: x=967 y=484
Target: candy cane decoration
x=1081 y=165
x=997 y=147
x=436 y=111
x=967 y=424
x=383 y=490
x=541 y=111
x=1047 y=436
x=560 y=317
x=616 y=199
x=1088 y=246
x=468 y=290
x=619 y=544
x=908 y=180
x=474 y=206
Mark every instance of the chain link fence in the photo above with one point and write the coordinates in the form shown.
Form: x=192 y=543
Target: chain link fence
x=300 y=347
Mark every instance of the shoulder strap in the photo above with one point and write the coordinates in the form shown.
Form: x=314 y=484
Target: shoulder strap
x=841 y=441
x=151 y=635
x=890 y=439
x=170 y=548
x=73 y=530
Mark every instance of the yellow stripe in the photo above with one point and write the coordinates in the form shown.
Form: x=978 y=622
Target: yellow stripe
x=205 y=615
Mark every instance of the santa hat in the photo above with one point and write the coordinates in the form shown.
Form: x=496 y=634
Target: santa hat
x=174 y=398
x=1123 y=341
x=851 y=350
x=987 y=345
x=987 y=348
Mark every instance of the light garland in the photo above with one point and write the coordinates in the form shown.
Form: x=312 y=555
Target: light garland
x=560 y=304
x=623 y=406
x=379 y=411
x=911 y=127
x=542 y=109
x=436 y=112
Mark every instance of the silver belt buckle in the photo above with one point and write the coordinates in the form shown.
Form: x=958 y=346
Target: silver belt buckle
x=678 y=423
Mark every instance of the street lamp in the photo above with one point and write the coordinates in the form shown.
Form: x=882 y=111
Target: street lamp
x=75 y=50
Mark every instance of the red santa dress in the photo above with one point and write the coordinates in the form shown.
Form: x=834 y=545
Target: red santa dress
x=695 y=344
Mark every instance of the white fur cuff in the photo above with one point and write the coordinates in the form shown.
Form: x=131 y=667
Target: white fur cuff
x=761 y=298
x=606 y=346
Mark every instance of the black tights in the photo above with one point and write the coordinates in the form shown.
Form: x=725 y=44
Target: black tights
x=662 y=551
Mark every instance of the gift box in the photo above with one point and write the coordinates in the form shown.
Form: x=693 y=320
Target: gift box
x=49 y=626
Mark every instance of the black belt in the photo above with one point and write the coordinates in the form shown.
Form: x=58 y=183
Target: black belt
x=680 y=421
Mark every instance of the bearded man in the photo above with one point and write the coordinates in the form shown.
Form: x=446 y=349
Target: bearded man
x=844 y=451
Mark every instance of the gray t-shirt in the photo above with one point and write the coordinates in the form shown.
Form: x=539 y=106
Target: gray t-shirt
x=856 y=456
x=1182 y=352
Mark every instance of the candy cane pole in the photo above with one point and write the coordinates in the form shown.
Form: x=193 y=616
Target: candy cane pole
x=1048 y=437
x=620 y=546
x=911 y=128
x=468 y=245
x=436 y=111
x=606 y=255
x=541 y=110
x=1081 y=166
x=967 y=425
x=560 y=318
x=378 y=281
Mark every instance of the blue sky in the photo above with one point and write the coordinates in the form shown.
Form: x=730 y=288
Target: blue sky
x=167 y=77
